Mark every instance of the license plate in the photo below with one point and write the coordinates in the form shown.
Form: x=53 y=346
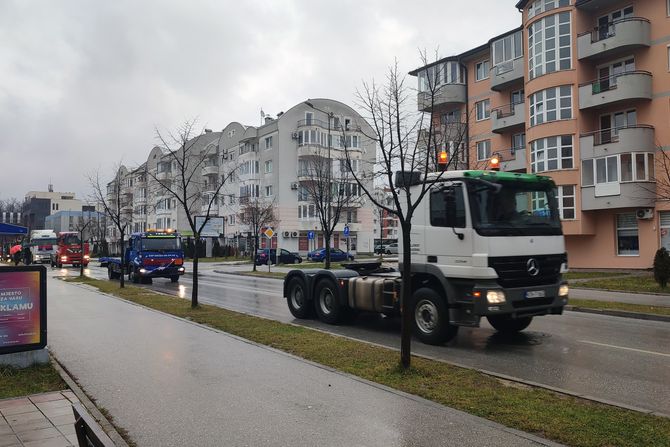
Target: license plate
x=535 y=294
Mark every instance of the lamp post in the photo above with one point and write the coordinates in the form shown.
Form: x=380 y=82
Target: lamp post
x=329 y=174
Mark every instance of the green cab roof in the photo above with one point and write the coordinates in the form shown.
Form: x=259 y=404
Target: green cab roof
x=498 y=175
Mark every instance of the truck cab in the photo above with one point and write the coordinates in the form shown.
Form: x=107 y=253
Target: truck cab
x=43 y=245
x=154 y=254
x=70 y=250
x=483 y=244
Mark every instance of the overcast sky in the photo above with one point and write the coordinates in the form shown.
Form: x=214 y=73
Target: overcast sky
x=84 y=83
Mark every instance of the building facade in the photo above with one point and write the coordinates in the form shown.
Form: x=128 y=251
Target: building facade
x=578 y=92
x=270 y=162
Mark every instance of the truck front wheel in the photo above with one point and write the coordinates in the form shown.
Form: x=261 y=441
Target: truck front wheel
x=296 y=299
x=431 y=318
x=508 y=325
x=133 y=276
x=174 y=278
x=327 y=303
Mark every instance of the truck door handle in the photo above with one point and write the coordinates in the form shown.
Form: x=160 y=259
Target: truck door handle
x=432 y=258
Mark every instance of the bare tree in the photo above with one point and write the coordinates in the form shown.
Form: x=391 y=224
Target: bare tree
x=407 y=142
x=188 y=151
x=82 y=226
x=257 y=214
x=110 y=197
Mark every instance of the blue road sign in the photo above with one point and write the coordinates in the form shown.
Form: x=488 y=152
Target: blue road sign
x=346 y=231
x=310 y=235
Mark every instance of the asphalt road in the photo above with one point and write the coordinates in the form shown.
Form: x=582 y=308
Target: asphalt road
x=622 y=360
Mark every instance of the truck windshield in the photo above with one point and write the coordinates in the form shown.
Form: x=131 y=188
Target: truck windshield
x=515 y=209
x=161 y=243
x=70 y=239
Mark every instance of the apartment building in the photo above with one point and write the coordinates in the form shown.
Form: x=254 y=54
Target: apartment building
x=580 y=92
x=270 y=162
x=40 y=204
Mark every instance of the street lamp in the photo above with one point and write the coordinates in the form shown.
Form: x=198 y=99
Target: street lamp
x=330 y=165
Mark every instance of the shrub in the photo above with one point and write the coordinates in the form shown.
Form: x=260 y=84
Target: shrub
x=662 y=267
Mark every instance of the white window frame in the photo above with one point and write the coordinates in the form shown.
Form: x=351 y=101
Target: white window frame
x=539 y=103
x=538 y=63
x=561 y=204
x=484 y=145
x=482 y=69
x=268 y=166
x=483 y=109
x=268 y=142
x=268 y=191
x=626 y=228
x=539 y=6
x=503 y=65
x=560 y=159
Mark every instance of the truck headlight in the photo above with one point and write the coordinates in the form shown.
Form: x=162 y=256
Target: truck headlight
x=495 y=296
x=63 y=258
x=563 y=290
x=87 y=257
x=143 y=271
x=181 y=269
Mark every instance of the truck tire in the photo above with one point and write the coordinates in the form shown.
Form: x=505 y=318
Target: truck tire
x=431 y=318
x=297 y=301
x=133 y=276
x=110 y=273
x=326 y=302
x=174 y=278
x=508 y=325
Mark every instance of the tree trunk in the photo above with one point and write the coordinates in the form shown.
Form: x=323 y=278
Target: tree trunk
x=194 y=291
x=122 y=282
x=326 y=235
x=254 y=251
x=406 y=299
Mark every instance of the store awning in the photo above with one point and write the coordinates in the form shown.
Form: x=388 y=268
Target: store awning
x=10 y=229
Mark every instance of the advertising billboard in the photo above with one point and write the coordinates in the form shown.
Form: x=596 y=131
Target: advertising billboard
x=23 y=310
x=213 y=227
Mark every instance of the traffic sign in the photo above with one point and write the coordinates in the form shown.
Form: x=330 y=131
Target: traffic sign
x=269 y=232
x=346 y=231
x=310 y=235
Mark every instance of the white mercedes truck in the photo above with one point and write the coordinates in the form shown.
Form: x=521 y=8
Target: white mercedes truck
x=43 y=245
x=483 y=244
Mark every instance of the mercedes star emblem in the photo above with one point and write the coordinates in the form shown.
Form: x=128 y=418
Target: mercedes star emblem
x=533 y=267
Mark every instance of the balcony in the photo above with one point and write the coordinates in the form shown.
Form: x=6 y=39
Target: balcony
x=506 y=74
x=513 y=159
x=210 y=170
x=139 y=200
x=446 y=94
x=163 y=175
x=127 y=208
x=619 y=36
x=617 y=141
x=213 y=211
x=628 y=86
x=508 y=117
x=618 y=195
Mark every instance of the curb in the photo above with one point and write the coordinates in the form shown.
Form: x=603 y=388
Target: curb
x=619 y=313
x=105 y=423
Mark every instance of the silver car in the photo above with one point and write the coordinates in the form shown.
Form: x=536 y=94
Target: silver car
x=391 y=249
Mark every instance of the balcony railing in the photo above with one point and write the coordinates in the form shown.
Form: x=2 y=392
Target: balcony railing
x=324 y=124
x=607 y=31
x=625 y=86
x=507 y=117
x=506 y=110
x=615 y=37
x=608 y=83
x=606 y=136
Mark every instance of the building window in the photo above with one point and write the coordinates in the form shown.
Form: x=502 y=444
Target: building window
x=549 y=45
x=268 y=191
x=309 y=116
x=627 y=240
x=626 y=167
x=552 y=153
x=539 y=6
x=268 y=167
x=451 y=117
x=518 y=142
x=482 y=70
x=448 y=73
x=483 y=109
x=550 y=105
x=268 y=143
x=505 y=50
x=566 y=201
x=483 y=150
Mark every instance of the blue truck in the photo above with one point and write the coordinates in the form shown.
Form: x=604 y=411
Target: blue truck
x=150 y=254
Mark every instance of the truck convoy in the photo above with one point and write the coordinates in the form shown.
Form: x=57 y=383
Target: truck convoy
x=43 y=245
x=150 y=254
x=483 y=244
x=70 y=250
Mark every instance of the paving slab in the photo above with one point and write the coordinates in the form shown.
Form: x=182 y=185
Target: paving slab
x=29 y=424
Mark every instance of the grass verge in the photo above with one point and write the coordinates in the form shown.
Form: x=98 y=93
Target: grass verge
x=263 y=274
x=605 y=305
x=635 y=284
x=589 y=275
x=15 y=382
x=221 y=259
x=561 y=418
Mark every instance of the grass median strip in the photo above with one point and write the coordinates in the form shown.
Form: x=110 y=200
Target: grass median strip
x=17 y=382
x=634 y=284
x=606 y=305
x=589 y=275
x=561 y=418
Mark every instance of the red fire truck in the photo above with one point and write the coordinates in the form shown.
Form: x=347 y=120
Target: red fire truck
x=70 y=250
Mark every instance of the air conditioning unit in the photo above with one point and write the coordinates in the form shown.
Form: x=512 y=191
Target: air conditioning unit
x=294 y=135
x=294 y=234
x=287 y=234
x=645 y=213
x=294 y=185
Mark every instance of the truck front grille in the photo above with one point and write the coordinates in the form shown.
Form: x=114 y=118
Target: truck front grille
x=514 y=271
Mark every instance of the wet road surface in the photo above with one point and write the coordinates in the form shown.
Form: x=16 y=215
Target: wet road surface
x=622 y=360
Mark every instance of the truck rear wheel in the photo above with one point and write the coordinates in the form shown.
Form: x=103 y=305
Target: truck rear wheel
x=297 y=301
x=431 y=318
x=327 y=303
x=508 y=325
x=174 y=278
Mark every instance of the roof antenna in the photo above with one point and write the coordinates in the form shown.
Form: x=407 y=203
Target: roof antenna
x=51 y=186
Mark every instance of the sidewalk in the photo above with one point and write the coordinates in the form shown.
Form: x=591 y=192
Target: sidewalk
x=170 y=382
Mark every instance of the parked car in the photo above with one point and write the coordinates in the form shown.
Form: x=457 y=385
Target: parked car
x=285 y=256
x=336 y=255
x=391 y=249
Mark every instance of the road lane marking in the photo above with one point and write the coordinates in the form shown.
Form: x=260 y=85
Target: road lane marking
x=625 y=348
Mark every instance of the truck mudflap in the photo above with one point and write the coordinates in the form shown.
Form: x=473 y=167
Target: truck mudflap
x=521 y=301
